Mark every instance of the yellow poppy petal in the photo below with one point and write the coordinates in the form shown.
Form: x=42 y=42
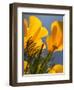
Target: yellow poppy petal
x=57 y=33
x=36 y=34
x=35 y=29
x=52 y=71
x=33 y=20
x=34 y=25
x=25 y=65
x=25 y=27
x=25 y=41
x=43 y=32
x=55 y=40
x=60 y=48
x=49 y=43
x=58 y=68
x=39 y=43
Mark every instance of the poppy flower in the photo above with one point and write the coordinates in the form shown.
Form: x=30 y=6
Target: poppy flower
x=58 y=68
x=35 y=30
x=55 y=39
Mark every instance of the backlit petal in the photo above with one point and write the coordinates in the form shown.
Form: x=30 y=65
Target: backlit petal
x=25 y=65
x=39 y=43
x=57 y=33
x=58 y=68
x=43 y=32
x=49 y=43
x=33 y=20
x=55 y=40
x=25 y=27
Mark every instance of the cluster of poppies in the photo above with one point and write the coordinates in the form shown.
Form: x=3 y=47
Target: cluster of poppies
x=35 y=31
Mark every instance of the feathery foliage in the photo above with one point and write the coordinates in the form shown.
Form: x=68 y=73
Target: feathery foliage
x=36 y=63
